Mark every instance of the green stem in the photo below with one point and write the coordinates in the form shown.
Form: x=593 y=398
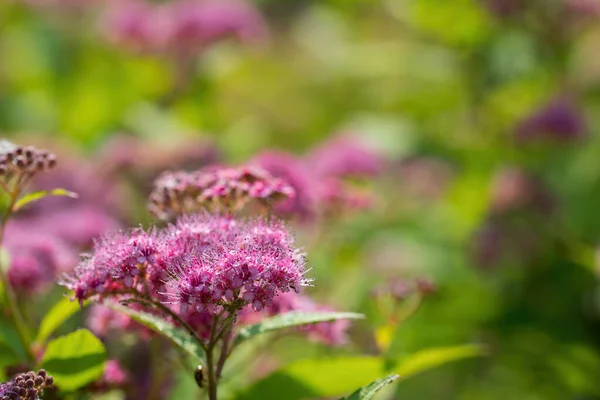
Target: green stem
x=210 y=361
x=9 y=293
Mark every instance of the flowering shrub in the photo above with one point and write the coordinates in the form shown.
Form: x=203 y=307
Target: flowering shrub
x=243 y=199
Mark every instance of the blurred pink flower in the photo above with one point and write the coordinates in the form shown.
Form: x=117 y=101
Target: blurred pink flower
x=184 y=27
x=344 y=156
x=36 y=257
x=293 y=171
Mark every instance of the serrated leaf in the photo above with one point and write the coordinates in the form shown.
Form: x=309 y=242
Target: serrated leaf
x=35 y=196
x=179 y=336
x=57 y=315
x=289 y=320
x=74 y=360
x=427 y=359
x=367 y=392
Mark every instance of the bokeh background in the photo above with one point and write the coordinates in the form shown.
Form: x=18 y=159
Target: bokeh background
x=474 y=126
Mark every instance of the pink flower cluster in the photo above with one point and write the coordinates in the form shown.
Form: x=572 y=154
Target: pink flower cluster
x=181 y=26
x=201 y=263
x=320 y=178
x=213 y=188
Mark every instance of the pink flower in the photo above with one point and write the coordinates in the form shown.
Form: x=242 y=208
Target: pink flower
x=243 y=262
x=136 y=25
x=195 y=24
x=35 y=256
x=114 y=375
x=344 y=156
x=207 y=261
x=297 y=174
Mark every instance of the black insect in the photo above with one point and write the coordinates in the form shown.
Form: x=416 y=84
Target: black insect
x=199 y=376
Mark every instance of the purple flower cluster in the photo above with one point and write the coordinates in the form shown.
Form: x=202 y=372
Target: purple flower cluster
x=214 y=188
x=180 y=26
x=201 y=263
x=559 y=120
x=26 y=386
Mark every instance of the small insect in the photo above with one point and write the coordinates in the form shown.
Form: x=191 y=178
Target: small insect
x=199 y=376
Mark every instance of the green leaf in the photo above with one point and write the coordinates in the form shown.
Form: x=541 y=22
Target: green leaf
x=35 y=196
x=11 y=349
x=427 y=359
x=333 y=377
x=59 y=313
x=74 y=360
x=180 y=337
x=313 y=378
x=367 y=392
x=289 y=320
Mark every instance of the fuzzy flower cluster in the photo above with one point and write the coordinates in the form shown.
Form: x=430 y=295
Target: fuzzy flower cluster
x=17 y=160
x=26 y=386
x=212 y=188
x=201 y=263
x=180 y=26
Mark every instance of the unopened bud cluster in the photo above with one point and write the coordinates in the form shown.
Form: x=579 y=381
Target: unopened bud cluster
x=18 y=160
x=215 y=189
x=26 y=386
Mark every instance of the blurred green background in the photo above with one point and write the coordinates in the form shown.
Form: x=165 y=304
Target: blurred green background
x=486 y=114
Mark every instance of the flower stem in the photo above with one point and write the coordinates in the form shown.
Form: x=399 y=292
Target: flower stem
x=9 y=293
x=210 y=361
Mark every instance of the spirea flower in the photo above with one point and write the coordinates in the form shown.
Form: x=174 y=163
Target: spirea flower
x=241 y=263
x=26 y=386
x=202 y=262
x=214 y=188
